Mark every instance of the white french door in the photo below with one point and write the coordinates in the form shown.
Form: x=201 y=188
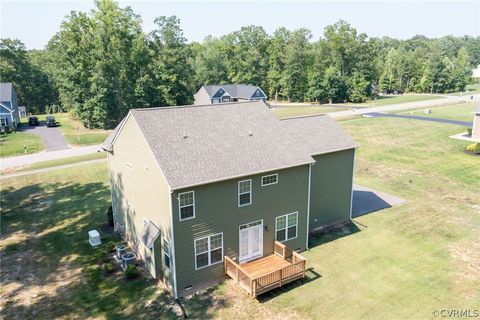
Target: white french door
x=251 y=241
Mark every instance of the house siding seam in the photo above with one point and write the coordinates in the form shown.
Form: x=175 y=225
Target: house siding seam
x=217 y=211
x=331 y=188
x=144 y=188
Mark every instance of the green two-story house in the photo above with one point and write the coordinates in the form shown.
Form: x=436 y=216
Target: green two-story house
x=195 y=186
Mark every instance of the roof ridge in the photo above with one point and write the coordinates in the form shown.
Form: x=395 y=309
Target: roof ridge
x=195 y=105
x=305 y=116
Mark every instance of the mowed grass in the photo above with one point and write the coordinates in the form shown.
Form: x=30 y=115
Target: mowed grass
x=302 y=110
x=13 y=144
x=59 y=162
x=462 y=112
x=394 y=99
x=399 y=263
x=75 y=132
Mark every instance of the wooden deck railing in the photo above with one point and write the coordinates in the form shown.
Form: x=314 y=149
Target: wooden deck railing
x=263 y=283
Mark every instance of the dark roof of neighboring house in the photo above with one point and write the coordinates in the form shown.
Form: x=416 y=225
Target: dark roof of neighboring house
x=6 y=89
x=196 y=145
x=244 y=91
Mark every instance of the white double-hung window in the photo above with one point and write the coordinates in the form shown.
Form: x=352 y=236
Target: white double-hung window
x=286 y=227
x=244 y=193
x=186 y=205
x=208 y=250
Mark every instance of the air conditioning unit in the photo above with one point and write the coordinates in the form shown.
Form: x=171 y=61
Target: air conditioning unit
x=94 y=238
x=128 y=259
x=121 y=250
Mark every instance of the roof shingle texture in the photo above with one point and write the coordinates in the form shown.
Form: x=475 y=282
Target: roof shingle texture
x=196 y=145
x=201 y=144
x=6 y=89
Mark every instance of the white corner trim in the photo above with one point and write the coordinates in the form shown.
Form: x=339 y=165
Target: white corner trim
x=353 y=180
x=172 y=247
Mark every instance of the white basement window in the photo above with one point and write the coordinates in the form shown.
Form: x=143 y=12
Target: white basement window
x=286 y=227
x=186 y=205
x=270 y=179
x=244 y=193
x=208 y=251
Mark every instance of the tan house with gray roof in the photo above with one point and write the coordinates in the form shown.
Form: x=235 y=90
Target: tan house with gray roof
x=228 y=93
x=201 y=189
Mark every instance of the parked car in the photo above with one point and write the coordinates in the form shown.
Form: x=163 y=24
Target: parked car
x=33 y=121
x=50 y=121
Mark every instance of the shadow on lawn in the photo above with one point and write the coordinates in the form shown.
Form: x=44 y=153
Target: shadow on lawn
x=50 y=271
x=310 y=275
x=334 y=234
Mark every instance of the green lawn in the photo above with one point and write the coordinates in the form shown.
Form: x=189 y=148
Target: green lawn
x=470 y=89
x=462 y=112
x=400 y=263
x=61 y=162
x=302 y=110
x=394 y=99
x=76 y=134
x=12 y=144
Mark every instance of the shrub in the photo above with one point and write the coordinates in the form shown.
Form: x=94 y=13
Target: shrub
x=109 y=267
x=469 y=131
x=132 y=272
x=474 y=148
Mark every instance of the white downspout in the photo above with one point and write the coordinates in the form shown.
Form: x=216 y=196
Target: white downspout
x=353 y=180
x=172 y=247
x=308 y=203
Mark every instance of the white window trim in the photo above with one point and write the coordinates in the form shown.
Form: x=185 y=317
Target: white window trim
x=286 y=226
x=165 y=244
x=208 y=251
x=267 y=176
x=180 y=207
x=239 y=194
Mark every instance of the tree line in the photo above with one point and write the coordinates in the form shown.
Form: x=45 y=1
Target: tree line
x=101 y=64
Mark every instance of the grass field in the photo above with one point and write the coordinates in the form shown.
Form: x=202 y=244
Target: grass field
x=393 y=99
x=12 y=144
x=401 y=263
x=76 y=134
x=461 y=112
x=302 y=110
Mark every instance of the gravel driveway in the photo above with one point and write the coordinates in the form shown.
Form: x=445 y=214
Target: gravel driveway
x=52 y=137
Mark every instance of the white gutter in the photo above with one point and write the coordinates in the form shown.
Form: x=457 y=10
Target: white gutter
x=308 y=203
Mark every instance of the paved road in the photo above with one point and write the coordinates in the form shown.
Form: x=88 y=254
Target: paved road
x=52 y=137
x=389 y=115
x=404 y=106
x=20 y=161
x=29 y=172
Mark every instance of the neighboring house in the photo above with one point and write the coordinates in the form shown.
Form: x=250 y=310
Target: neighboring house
x=228 y=93
x=476 y=122
x=22 y=112
x=8 y=106
x=193 y=184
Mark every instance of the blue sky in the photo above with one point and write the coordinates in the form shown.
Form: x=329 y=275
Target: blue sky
x=35 y=22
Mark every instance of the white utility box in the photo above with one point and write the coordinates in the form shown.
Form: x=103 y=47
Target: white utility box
x=94 y=238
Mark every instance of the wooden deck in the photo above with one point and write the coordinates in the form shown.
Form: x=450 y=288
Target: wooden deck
x=269 y=272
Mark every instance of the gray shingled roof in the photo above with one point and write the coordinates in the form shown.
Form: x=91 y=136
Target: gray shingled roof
x=6 y=89
x=107 y=145
x=318 y=134
x=244 y=91
x=201 y=144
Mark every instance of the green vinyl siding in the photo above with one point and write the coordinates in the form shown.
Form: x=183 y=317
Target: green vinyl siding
x=331 y=188
x=217 y=211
